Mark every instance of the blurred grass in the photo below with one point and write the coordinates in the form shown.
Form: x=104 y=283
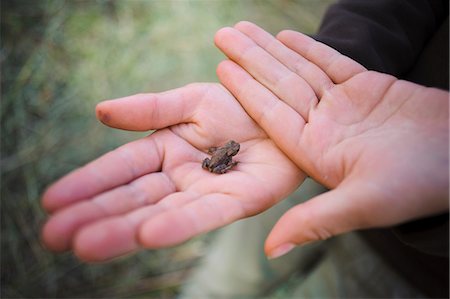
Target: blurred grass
x=58 y=59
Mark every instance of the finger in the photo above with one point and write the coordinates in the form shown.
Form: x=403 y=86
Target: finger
x=310 y=217
x=312 y=74
x=116 y=236
x=59 y=231
x=287 y=85
x=338 y=67
x=142 y=112
x=178 y=225
x=115 y=168
x=263 y=106
x=340 y=210
x=105 y=240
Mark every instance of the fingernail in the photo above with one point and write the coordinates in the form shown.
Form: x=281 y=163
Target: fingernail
x=281 y=250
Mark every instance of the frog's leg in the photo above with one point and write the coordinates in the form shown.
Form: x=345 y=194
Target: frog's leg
x=205 y=163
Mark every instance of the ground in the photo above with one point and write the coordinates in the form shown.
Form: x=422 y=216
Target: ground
x=59 y=59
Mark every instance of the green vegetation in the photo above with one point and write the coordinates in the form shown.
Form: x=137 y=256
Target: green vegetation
x=59 y=59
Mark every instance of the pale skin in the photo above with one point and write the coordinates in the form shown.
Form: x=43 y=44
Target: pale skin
x=380 y=144
x=153 y=192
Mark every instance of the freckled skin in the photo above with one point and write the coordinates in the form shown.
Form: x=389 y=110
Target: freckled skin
x=221 y=160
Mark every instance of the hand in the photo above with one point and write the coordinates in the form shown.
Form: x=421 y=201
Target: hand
x=153 y=192
x=379 y=143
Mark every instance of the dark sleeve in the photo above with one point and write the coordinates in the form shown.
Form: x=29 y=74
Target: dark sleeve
x=407 y=39
x=429 y=235
x=383 y=35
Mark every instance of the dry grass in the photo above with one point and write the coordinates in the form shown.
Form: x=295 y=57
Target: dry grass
x=59 y=58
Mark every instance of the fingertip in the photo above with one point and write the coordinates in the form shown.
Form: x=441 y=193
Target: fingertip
x=224 y=67
x=286 y=231
x=48 y=200
x=58 y=195
x=231 y=75
x=50 y=237
x=102 y=112
x=283 y=34
x=289 y=36
x=58 y=232
x=280 y=250
x=253 y=31
x=221 y=35
x=244 y=24
x=128 y=113
x=322 y=217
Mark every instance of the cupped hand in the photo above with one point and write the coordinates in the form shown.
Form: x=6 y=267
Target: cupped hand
x=153 y=192
x=379 y=143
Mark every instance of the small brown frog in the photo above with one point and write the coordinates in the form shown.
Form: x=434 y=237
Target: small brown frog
x=221 y=159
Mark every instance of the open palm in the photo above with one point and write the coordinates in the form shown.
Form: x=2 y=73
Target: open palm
x=153 y=192
x=379 y=143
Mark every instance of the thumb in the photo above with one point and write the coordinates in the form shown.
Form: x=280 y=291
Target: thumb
x=143 y=112
x=326 y=215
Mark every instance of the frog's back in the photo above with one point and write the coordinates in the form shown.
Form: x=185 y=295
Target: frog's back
x=220 y=158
